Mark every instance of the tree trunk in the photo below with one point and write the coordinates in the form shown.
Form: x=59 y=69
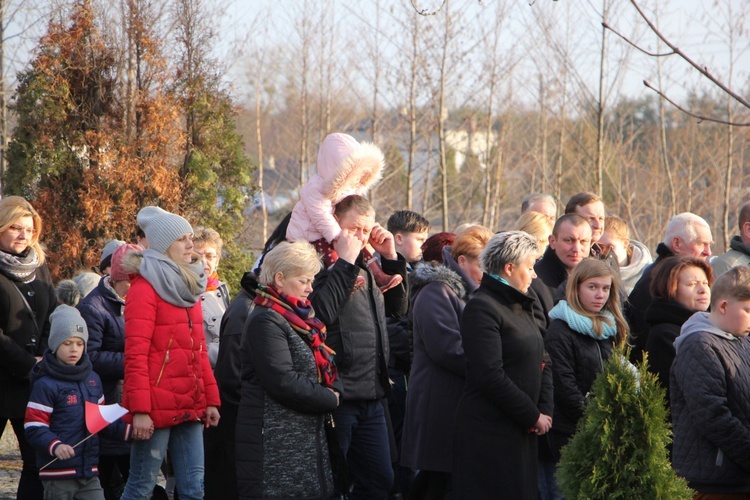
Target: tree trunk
x=442 y=112
x=412 y=115
x=664 y=145
x=259 y=138
x=600 y=115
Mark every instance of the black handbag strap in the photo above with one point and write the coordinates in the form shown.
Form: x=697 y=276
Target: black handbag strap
x=29 y=309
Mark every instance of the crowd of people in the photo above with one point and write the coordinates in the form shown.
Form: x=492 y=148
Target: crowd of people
x=366 y=362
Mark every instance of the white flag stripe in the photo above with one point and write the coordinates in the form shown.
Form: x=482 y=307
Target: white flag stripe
x=110 y=413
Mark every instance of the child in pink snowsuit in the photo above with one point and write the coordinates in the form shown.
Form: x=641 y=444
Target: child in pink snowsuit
x=345 y=167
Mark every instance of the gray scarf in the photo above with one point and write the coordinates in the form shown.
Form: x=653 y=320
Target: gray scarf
x=19 y=268
x=164 y=275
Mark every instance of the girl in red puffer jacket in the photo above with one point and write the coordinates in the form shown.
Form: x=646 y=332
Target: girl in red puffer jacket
x=169 y=386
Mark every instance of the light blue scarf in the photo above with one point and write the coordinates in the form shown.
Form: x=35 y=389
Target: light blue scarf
x=582 y=324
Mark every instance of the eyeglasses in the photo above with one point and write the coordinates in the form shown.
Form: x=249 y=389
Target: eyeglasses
x=30 y=231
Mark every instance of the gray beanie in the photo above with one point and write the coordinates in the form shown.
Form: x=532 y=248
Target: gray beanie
x=86 y=282
x=66 y=322
x=161 y=227
x=107 y=251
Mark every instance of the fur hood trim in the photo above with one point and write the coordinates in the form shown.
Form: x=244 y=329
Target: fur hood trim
x=424 y=275
x=347 y=166
x=131 y=262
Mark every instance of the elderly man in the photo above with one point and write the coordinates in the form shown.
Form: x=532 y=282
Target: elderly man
x=569 y=244
x=541 y=203
x=355 y=317
x=686 y=234
x=739 y=247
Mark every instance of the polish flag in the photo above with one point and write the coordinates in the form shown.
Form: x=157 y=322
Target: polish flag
x=100 y=416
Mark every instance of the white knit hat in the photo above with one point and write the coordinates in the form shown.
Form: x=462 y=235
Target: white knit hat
x=162 y=228
x=66 y=322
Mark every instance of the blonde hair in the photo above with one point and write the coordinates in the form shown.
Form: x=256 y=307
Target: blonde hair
x=733 y=284
x=594 y=268
x=619 y=229
x=207 y=236
x=470 y=242
x=13 y=208
x=190 y=276
x=289 y=259
x=536 y=224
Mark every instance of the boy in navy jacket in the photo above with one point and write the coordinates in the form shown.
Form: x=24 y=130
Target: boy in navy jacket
x=62 y=382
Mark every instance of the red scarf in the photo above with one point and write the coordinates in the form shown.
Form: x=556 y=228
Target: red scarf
x=301 y=317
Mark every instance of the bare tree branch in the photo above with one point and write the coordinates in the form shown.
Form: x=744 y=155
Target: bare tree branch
x=635 y=45
x=702 y=69
x=700 y=118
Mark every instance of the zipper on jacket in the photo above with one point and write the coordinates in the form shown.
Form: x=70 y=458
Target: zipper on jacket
x=164 y=364
x=190 y=334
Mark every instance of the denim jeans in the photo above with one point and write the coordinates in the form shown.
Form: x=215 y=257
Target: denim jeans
x=363 y=436
x=185 y=444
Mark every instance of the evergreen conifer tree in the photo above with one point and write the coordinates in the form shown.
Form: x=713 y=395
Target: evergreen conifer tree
x=620 y=447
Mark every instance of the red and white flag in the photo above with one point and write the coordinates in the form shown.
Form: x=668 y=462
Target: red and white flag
x=100 y=416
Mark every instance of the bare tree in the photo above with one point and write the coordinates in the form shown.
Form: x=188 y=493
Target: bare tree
x=600 y=104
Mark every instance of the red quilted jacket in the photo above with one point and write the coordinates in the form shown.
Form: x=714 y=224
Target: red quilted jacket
x=167 y=372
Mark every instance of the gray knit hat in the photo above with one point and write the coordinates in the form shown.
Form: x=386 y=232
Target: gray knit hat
x=107 y=252
x=86 y=282
x=161 y=227
x=66 y=322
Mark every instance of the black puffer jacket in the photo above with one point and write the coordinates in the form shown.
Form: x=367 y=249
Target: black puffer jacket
x=356 y=323
x=666 y=318
x=637 y=304
x=576 y=360
x=710 y=390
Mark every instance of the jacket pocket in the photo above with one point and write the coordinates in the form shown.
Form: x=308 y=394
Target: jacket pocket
x=164 y=363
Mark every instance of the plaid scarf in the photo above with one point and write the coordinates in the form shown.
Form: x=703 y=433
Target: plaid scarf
x=301 y=317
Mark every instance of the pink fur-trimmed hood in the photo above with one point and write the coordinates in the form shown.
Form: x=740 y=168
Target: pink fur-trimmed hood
x=347 y=166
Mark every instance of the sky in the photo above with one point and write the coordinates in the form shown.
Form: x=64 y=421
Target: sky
x=693 y=25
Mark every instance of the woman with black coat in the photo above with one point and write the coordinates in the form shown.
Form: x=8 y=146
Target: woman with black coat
x=507 y=398
x=438 y=297
x=583 y=330
x=27 y=298
x=289 y=384
x=681 y=286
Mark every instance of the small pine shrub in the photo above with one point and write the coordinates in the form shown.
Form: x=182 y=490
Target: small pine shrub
x=620 y=447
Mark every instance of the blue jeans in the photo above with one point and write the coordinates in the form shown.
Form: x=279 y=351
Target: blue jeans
x=185 y=444
x=363 y=436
